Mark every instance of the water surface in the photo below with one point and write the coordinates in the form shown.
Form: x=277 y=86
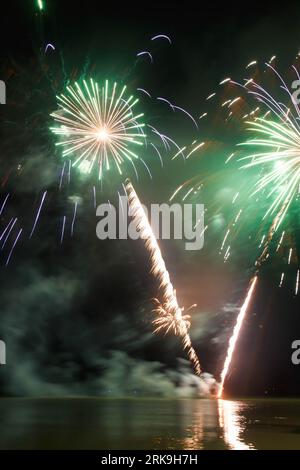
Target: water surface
x=95 y=423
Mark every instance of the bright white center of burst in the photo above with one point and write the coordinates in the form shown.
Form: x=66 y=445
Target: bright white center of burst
x=103 y=135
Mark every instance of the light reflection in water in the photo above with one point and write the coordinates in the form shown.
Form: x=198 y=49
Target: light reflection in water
x=212 y=423
x=233 y=424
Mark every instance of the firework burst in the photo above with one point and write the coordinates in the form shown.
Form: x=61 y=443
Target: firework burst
x=98 y=126
x=267 y=189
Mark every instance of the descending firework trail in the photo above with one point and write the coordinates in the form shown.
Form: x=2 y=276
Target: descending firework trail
x=63 y=229
x=235 y=334
x=13 y=247
x=169 y=314
x=3 y=204
x=38 y=213
x=9 y=232
x=74 y=216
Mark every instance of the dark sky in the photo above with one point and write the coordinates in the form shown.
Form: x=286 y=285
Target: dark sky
x=66 y=308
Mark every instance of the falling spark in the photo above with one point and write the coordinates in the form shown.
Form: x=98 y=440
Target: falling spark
x=163 y=36
x=186 y=195
x=4 y=231
x=62 y=175
x=144 y=91
x=3 y=205
x=281 y=279
x=73 y=220
x=254 y=62
x=13 y=247
x=38 y=214
x=94 y=195
x=180 y=151
x=9 y=232
x=250 y=80
x=234 y=101
x=237 y=216
x=47 y=47
x=262 y=240
x=235 y=197
x=169 y=314
x=158 y=153
x=194 y=149
x=297 y=283
x=235 y=334
x=224 y=240
x=63 y=229
x=145 y=53
x=210 y=96
x=225 y=102
x=280 y=241
x=159 y=98
x=290 y=255
x=188 y=114
x=229 y=158
x=225 y=81
x=69 y=172
x=227 y=253
x=175 y=192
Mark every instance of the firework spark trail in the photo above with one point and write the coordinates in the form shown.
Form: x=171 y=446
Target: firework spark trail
x=4 y=231
x=38 y=214
x=74 y=217
x=9 y=232
x=49 y=45
x=62 y=175
x=4 y=202
x=161 y=36
x=235 y=334
x=94 y=197
x=147 y=53
x=169 y=313
x=63 y=229
x=69 y=171
x=13 y=247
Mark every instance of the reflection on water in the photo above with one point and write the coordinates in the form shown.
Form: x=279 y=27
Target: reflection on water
x=233 y=424
x=94 y=423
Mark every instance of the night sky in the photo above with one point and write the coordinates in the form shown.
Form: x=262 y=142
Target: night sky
x=76 y=317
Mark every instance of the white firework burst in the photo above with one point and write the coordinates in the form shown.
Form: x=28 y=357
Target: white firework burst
x=98 y=126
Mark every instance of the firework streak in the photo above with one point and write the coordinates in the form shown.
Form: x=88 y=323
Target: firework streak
x=168 y=313
x=235 y=334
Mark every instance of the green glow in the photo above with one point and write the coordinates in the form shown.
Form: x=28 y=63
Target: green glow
x=40 y=4
x=279 y=158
